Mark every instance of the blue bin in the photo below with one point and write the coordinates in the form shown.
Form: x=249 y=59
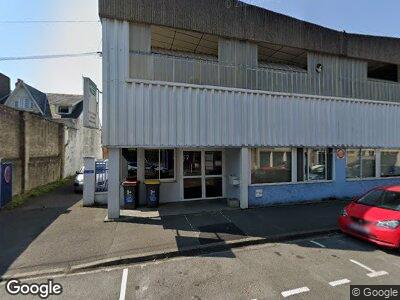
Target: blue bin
x=131 y=194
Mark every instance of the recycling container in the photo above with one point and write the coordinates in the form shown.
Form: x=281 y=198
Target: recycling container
x=131 y=194
x=152 y=192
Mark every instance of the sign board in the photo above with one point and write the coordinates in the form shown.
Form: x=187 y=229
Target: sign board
x=5 y=183
x=90 y=104
x=340 y=153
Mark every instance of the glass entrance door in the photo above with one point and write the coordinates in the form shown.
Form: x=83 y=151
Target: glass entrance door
x=202 y=174
x=192 y=175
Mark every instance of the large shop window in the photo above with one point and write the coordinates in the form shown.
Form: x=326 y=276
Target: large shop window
x=314 y=164
x=271 y=165
x=390 y=163
x=160 y=164
x=361 y=163
x=131 y=158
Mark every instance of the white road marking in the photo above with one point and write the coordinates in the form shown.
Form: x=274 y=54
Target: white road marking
x=295 y=291
x=123 y=284
x=372 y=273
x=318 y=244
x=339 y=282
x=362 y=266
x=377 y=274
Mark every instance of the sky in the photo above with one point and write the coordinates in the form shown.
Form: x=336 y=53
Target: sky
x=64 y=75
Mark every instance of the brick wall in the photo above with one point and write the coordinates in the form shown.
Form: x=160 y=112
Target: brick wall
x=34 y=145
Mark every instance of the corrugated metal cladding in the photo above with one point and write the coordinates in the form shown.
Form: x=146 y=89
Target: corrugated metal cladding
x=175 y=115
x=167 y=115
x=340 y=77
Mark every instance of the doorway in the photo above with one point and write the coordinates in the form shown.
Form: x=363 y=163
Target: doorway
x=203 y=174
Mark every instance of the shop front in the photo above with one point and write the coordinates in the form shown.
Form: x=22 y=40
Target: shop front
x=184 y=174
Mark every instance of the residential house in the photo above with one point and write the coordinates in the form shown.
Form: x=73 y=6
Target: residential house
x=27 y=98
x=79 y=140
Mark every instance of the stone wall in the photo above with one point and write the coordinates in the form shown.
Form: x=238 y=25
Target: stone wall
x=34 y=145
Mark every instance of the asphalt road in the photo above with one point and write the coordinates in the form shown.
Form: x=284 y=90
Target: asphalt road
x=320 y=268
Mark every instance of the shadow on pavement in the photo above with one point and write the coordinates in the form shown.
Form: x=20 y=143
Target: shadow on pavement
x=224 y=226
x=343 y=242
x=21 y=226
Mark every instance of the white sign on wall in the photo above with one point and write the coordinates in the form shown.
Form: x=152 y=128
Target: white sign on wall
x=90 y=104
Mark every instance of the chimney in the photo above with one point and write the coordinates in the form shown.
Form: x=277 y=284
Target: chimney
x=18 y=82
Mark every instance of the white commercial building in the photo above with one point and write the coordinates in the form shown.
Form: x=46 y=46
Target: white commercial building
x=220 y=99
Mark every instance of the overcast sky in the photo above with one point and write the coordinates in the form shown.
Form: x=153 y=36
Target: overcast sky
x=377 y=17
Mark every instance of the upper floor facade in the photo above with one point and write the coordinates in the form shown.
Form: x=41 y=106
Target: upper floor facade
x=232 y=44
x=207 y=73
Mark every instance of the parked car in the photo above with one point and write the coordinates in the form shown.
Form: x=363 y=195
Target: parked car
x=101 y=178
x=78 y=182
x=374 y=217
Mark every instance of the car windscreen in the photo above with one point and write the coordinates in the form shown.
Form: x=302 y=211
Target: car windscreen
x=382 y=199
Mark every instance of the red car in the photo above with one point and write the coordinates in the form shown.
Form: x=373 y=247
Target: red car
x=374 y=217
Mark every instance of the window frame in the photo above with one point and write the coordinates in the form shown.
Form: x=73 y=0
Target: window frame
x=380 y=163
x=361 y=165
x=63 y=113
x=307 y=161
x=159 y=163
x=271 y=150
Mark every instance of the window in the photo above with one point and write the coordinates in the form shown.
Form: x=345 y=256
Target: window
x=384 y=199
x=16 y=104
x=361 y=163
x=372 y=198
x=27 y=103
x=131 y=158
x=271 y=165
x=390 y=163
x=160 y=164
x=382 y=71
x=63 y=110
x=315 y=164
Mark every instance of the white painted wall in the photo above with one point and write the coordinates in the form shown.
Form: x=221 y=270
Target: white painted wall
x=80 y=142
x=232 y=169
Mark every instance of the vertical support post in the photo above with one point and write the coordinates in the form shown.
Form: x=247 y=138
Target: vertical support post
x=141 y=175
x=244 y=178
x=89 y=181
x=378 y=162
x=113 y=184
x=294 y=165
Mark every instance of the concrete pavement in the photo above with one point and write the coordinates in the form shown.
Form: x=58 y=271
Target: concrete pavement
x=320 y=268
x=55 y=234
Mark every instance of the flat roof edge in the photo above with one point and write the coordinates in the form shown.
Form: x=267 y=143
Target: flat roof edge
x=238 y=20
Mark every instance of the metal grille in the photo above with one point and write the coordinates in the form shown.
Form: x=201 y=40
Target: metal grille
x=101 y=176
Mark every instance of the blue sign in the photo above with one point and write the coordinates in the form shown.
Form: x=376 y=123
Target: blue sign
x=5 y=183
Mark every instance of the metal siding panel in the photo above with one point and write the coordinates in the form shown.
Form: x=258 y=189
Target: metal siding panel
x=160 y=115
x=106 y=80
